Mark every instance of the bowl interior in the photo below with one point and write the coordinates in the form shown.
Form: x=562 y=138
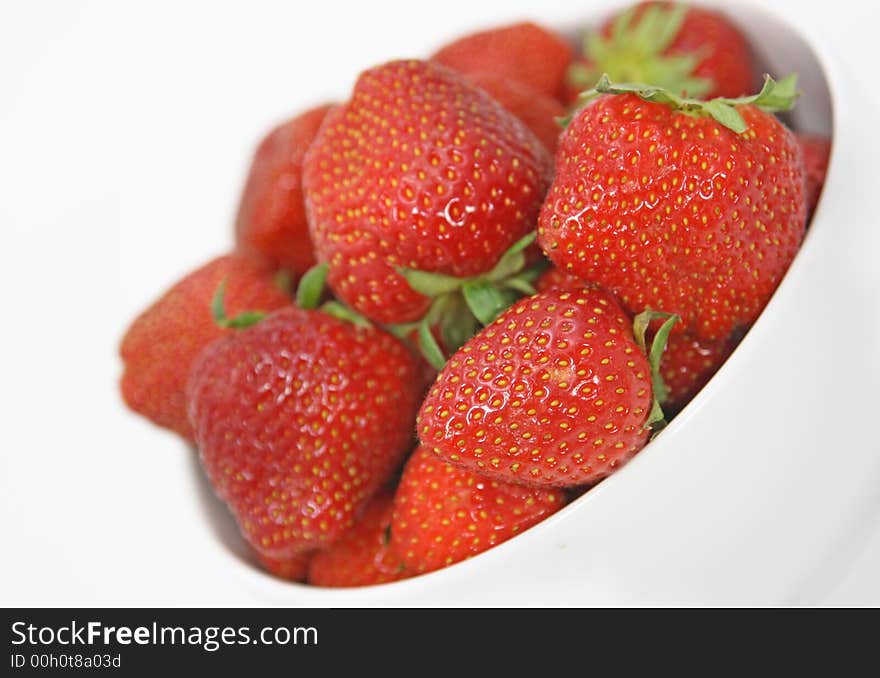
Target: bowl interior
x=779 y=50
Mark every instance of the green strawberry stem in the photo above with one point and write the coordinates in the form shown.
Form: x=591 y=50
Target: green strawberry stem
x=773 y=98
x=311 y=290
x=656 y=419
x=427 y=343
x=513 y=260
x=239 y=322
x=434 y=284
x=342 y=312
x=458 y=323
x=430 y=348
x=461 y=305
x=430 y=284
x=520 y=285
x=483 y=299
x=634 y=53
x=311 y=286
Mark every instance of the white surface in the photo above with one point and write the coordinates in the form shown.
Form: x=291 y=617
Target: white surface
x=125 y=130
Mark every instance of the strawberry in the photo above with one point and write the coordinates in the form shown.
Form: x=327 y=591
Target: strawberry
x=363 y=556
x=817 y=151
x=688 y=364
x=556 y=392
x=538 y=111
x=271 y=219
x=522 y=52
x=556 y=279
x=419 y=171
x=299 y=419
x=444 y=514
x=162 y=342
x=689 y=50
x=696 y=208
x=293 y=569
x=577 y=81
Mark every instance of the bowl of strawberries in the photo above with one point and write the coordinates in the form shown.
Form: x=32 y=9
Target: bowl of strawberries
x=525 y=320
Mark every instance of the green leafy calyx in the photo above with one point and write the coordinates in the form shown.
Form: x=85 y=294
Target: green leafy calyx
x=656 y=419
x=342 y=312
x=239 y=322
x=773 y=98
x=635 y=52
x=462 y=305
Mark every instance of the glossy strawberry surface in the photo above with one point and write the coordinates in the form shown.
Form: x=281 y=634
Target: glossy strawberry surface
x=299 y=420
x=444 y=514
x=676 y=212
x=555 y=393
x=418 y=170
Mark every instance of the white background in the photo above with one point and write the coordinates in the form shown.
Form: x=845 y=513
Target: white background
x=125 y=132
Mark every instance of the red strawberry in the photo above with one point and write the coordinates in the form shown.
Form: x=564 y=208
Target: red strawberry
x=419 y=170
x=556 y=392
x=299 y=420
x=577 y=80
x=817 y=152
x=271 y=218
x=686 y=49
x=688 y=364
x=161 y=344
x=294 y=568
x=444 y=514
x=523 y=52
x=677 y=211
x=538 y=111
x=557 y=279
x=363 y=556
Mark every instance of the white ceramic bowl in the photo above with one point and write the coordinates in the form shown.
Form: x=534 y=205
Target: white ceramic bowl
x=756 y=489
x=125 y=163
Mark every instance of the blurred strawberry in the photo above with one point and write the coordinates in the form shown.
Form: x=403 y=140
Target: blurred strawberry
x=443 y=514
x=557 y=279
x=687 y=366
x=817 y=152
x=271 y=219
x=538 y=111
x=364 y=555
x=293 y=569
x=686 y=49
x=523 y=52
x=163 y=341
x=299 y=420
